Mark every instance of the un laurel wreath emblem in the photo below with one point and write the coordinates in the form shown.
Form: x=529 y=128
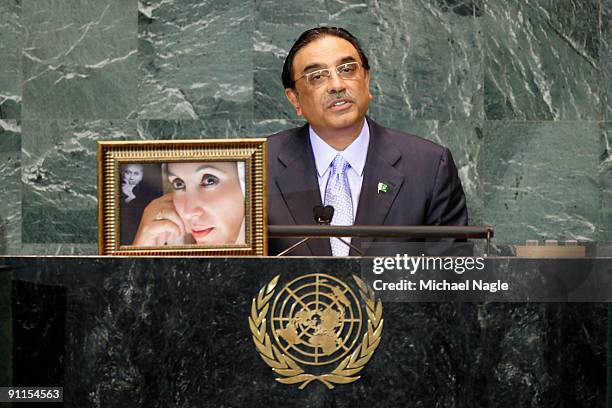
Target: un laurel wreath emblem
x=315 y=323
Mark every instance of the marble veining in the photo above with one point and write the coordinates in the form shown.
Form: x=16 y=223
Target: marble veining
x=11 y=37
x=59 y=177
x=605 y=176
x=541 y=60
x=195 y=59
x=10 y=195
x=530 y=173
x=193 y=129
x=79 y=59
x=426 y=64
x=605 y=59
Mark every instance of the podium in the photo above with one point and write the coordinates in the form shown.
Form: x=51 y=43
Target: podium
x=174 y=332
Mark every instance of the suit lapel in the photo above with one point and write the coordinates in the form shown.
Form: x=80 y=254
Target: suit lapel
x=374 y=205
x=299 y=186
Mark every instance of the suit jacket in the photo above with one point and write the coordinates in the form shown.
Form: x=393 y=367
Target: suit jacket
x=424 y=188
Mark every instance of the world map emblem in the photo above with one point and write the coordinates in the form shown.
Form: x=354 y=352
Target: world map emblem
x=315 y=329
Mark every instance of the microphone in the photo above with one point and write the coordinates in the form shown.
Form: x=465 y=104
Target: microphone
x=323 y=215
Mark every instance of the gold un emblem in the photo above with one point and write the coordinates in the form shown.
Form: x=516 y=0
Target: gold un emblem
x=316 y=323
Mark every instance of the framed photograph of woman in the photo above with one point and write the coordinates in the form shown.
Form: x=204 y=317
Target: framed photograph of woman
x=185 y=197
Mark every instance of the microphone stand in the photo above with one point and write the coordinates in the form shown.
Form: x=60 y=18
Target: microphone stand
x=323 y=216
x=359 y=251
x=297 y=244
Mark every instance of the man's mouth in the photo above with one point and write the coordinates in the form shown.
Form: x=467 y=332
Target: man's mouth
x=339 y=104
x=199 y=232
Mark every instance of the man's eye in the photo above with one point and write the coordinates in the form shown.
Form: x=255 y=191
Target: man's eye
x=178 y=184
x=316 y=77
x=348 y=68
x=209 y=180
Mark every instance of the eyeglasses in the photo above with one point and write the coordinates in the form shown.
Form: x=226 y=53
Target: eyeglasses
x=321 y=76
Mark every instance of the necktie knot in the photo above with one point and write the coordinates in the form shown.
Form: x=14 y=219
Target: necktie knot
x=339 y=165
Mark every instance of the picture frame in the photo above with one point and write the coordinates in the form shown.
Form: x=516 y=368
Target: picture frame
x=182 y=197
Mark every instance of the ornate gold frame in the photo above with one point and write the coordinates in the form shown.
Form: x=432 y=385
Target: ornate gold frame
x=112 y=154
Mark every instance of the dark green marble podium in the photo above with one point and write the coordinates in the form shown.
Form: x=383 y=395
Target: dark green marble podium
x=171 y=332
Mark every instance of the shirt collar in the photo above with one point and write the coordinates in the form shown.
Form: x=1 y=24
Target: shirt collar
x=355 y=154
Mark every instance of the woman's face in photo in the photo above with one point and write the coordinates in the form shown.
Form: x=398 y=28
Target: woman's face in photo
x=209 y=200
x=132 y=174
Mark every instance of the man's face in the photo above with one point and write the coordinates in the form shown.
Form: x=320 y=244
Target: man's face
x=338 y=105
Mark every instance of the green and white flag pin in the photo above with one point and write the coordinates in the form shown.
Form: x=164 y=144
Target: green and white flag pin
x=382 y=188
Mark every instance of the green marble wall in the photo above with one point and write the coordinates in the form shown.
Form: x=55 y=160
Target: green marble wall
x=520 y=91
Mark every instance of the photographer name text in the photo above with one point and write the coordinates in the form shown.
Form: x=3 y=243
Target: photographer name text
x=440 y=285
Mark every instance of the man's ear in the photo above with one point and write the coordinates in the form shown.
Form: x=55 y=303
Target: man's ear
x=292 y=96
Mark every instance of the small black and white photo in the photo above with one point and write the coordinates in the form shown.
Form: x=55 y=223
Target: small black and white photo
x=141 y=183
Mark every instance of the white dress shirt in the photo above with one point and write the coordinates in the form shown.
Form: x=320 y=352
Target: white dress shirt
x=355 y=154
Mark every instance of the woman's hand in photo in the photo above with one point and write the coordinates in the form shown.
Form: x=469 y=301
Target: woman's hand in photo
x=160 y=223
x=128 y=190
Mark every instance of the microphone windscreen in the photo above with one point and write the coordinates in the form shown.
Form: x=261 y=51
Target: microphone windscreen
x=323 y=215
x=328 y=213
x=318 y=212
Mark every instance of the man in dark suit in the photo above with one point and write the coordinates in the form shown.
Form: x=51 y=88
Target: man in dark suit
x=372 y=175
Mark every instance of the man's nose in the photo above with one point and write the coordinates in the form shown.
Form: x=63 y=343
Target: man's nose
x=336 y=84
